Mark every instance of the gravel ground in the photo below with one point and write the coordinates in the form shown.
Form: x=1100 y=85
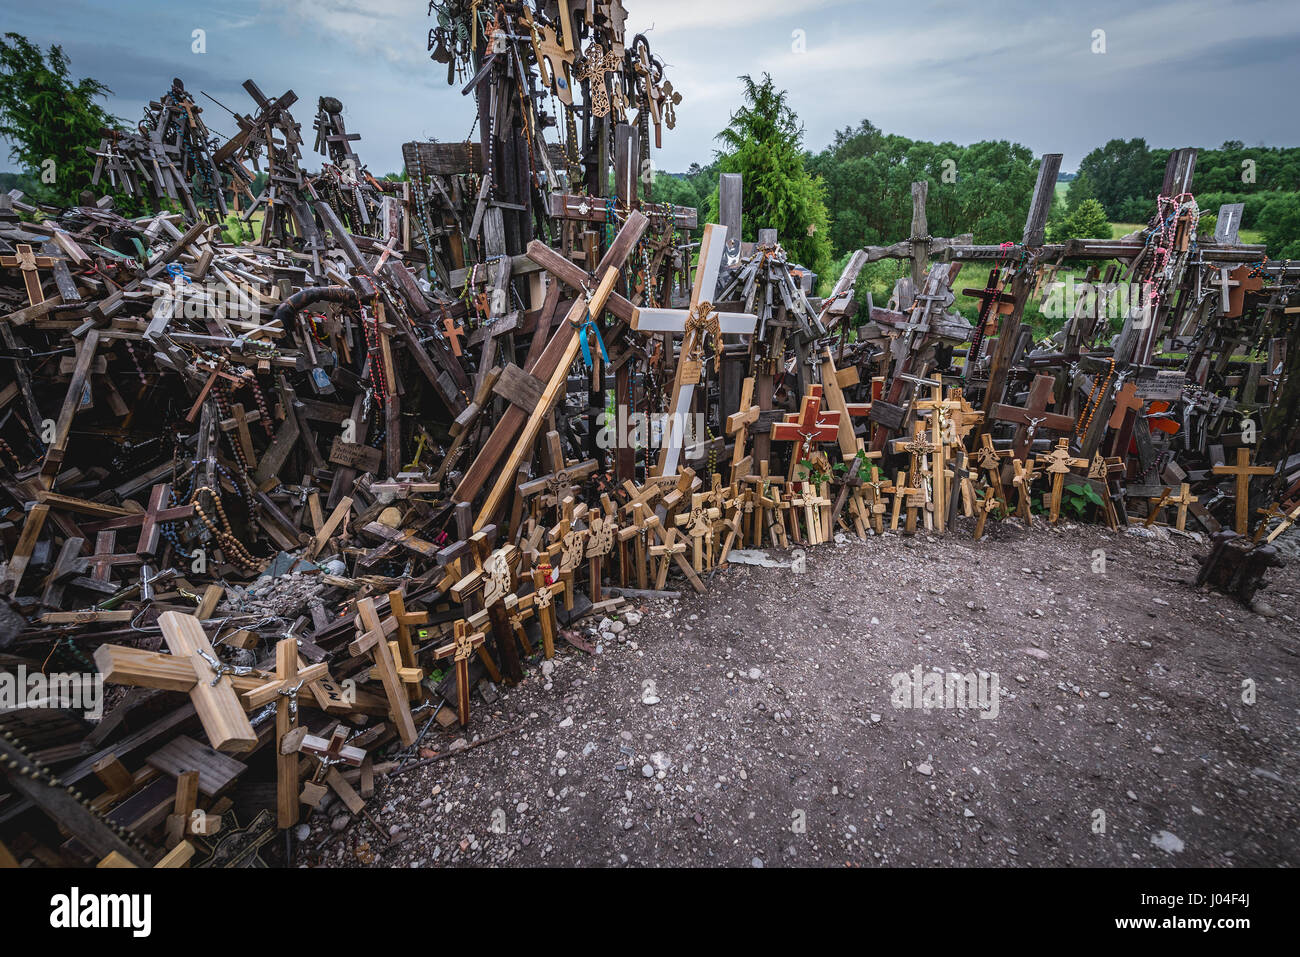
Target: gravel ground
x=756 y=726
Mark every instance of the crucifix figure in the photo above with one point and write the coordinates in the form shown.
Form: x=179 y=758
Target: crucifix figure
x=1034 y=417
x=460 y=650
x=701 y=321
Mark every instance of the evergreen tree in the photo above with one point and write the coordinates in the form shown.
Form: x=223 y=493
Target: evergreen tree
x=47 y=117
x=764 y=143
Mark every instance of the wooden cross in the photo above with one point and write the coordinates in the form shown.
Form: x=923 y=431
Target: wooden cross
x=699 y=523
x=1033 y=417
x=568 y=548
x=454 y=334
x=1026 y=474
x=460 y=650
x=373 y=641
x=738 y=424
x=667 y=548
x=1059 y=462
x=1243 y=470
x=544 y=606
x=213 y=694
x=810 y=426
x=902 y=491
x=1183 y=500
x=879 y=489
x=695 y=324
x=988 y=503
x=1287 y=520
x=284 y=692
x=29 y=262
x=919 y=448
x=990 y=459
x=405 y=643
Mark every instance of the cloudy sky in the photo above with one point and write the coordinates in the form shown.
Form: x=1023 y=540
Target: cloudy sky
x=1190 y=72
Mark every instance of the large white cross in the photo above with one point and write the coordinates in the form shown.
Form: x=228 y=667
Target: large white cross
x=687 y=376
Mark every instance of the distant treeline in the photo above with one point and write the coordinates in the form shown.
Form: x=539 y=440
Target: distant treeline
x=984 y=188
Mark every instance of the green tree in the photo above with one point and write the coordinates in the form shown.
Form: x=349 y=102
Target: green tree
x=1088 y=221
x=764 y=143
x=1280 y=224
x=46 y=117
x=1125 y=177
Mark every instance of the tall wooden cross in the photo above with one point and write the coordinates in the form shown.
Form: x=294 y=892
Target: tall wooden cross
x=289 y=681
x=1243 y=471
x=695 y=324
x=1058 y=463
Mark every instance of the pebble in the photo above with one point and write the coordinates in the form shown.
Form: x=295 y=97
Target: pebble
x=1168 y=842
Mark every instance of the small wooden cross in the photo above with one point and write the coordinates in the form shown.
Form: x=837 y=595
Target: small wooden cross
x=1243 y=470
x=454 y=334
x=903 y=491
x=602 y=532
x=1058 y=463
x=738 y=424
x=405 y=643
x=699 y=523
x=990 y=459
x=988 y=503
x=29 y=263
x=1026 y=475
x=544 y=606
x=460 y=650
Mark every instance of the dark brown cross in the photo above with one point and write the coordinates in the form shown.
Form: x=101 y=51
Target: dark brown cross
x=150 y=520
x=993 y=301
x=1034 y=417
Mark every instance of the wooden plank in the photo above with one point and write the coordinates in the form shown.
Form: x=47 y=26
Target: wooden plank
x=182 y=753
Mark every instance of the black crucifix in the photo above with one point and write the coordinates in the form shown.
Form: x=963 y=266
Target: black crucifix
x=1034 y=417
x=993 y=302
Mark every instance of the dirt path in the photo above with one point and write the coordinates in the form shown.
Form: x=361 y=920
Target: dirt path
x=1120 y=693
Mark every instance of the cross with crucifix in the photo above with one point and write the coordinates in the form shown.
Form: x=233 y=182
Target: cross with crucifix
x=283 y=690
x=701 y=321
x=544 y=592
x=810 y=426
x=1033 y=417
x=460 y=650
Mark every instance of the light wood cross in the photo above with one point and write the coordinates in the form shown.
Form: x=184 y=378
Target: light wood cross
x=602 y=532
x=988 y=503
x=990 y=459
x=284 y=690
x=460 y=650
x=905 y=492
x=1058 y=463
x=1243 y=471
x=27 y=261
x=1026 y=475
x=1287 y=519
x=374 y=642
x=544 y=592
x=405 y=643
x=699 y=525
x=738 y=424
x=695 y=324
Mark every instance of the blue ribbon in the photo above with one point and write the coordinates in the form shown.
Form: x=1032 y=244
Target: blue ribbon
x=589 y=325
